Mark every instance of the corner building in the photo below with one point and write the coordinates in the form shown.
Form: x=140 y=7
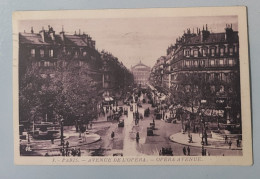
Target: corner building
x=208 y=62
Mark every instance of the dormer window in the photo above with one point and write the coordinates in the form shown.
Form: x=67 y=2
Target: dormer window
x=221 y=52
x=51 y=53
x=42 y=52
x=32 y=52
x=212 y=52
x=231 y=51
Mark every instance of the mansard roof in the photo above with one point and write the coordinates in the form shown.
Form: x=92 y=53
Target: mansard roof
x=31 y=38
x=76 y=40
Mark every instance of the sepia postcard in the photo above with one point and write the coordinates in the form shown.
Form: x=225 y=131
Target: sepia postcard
x=160 y=86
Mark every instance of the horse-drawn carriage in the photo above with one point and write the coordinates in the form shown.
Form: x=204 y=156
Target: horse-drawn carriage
x=166 y=151
x=146 y=112
x=149 y=131
x=121 y=123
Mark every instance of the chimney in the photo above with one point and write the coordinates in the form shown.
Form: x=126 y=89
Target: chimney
x=205 y=33
x=42 y=33
x=62 y=34
x=229 y=33
x=52 y=33
x=79 y=31
x=32 y=30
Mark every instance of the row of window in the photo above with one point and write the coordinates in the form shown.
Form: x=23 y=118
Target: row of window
x=212 y=89
x=212 y=51
x=46 y=64
x=42 y=53
x=50 y=53
x=226 y=77
x=222 y=62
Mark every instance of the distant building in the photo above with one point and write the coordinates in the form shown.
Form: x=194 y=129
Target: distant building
x=157 y=72
x=141 y=74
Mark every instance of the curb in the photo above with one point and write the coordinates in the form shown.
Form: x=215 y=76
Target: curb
x=71 y=146
x=200 y=146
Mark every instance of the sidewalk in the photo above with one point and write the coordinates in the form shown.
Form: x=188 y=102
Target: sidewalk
x=183 y=139
x=70 y=135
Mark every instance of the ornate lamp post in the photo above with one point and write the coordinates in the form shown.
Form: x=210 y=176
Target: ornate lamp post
x=61 y=131
x=203 y=128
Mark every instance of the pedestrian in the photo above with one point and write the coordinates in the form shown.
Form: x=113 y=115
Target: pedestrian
x=202 y=150
x=184 y=150
x=226 y=139
x=188 y=150
x=67 y=144
x=79 y=152
x=63 y=152
x=67 y=151
x=238 y=143
x=230 y=143
x=52 y=139
x=112 y=135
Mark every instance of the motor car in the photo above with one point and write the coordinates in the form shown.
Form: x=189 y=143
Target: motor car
x=121 y=123
x=149 y=131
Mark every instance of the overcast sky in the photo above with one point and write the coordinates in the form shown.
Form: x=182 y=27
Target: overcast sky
x=133 y=39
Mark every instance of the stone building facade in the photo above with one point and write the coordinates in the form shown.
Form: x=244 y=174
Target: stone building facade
x=204 y=62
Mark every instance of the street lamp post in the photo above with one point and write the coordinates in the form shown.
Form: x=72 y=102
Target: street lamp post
x=61 y=131
x=203 y=128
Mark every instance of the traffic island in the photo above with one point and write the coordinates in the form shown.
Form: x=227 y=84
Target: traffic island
x=214 y=143
x=71 y=138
